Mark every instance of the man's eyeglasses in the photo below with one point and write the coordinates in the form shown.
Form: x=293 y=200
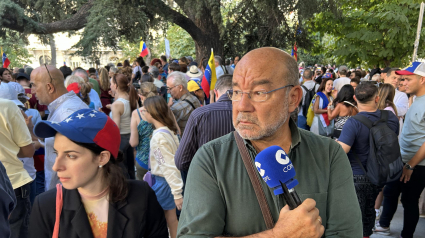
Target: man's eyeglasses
x=169 y=89
x=256 y=96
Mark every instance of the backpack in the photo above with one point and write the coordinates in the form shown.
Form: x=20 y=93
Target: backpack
x=309 y=95
x=384 y=162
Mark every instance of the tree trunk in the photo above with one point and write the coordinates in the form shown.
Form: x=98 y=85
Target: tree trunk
x=205 y=42
x=52 y=49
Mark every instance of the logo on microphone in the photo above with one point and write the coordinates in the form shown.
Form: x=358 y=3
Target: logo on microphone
x=285 y=160
x=261 y=171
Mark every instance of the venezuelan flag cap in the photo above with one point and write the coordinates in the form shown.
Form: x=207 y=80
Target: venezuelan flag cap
x=417 y=68
x=84 y=126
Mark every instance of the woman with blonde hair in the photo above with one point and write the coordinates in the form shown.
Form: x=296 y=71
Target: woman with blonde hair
x=386 y=95
x=80 y=87
x=105 y=86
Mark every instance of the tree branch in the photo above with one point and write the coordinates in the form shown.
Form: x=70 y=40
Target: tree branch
x=175 y=17
x=76 y=22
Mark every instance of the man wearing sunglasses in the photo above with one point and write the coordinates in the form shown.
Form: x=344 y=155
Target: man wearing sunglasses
x=219 y=197
x=47 y=83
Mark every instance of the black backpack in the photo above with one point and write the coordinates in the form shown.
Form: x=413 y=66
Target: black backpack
x=309 y=94
x=384 y=162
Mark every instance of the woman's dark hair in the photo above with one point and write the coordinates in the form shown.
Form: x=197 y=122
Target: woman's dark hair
x=125 y=85
x=146 y=78
x=126 y=63
x=159 y=110
x=184 y=60
x=118 y=188
x=174 y=67
x=2 y=70
x=345 y=94
x=323 y=85
x=140 y=61
x=183 y=68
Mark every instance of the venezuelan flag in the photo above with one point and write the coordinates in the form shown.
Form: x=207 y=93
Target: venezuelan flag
x=143 y=49
x=209 y=79
x=5 y=60
x=294 y=52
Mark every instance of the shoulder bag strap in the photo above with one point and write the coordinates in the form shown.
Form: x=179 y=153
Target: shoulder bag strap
x=59 y=204
x=190 y=103
x=255 y=181
x=364 y=120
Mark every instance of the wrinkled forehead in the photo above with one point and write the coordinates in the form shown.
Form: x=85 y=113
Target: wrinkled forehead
x=250 y=76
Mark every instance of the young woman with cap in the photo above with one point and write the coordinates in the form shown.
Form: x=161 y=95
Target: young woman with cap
x=168 y=184
x=96 y=200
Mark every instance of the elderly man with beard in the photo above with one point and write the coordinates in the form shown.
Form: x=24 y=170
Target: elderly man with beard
x=219 y=197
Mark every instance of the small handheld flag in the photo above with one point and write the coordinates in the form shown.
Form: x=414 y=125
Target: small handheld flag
x=209 y=79
x=294 y=52
x=5 y=60
x=143 y=49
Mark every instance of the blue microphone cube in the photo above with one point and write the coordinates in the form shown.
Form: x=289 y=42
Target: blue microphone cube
x=274 y=166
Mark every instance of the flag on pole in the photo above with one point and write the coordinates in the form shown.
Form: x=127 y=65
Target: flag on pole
x=209 y=79
x=5 y=60
x=143 y=49
x=294 y=52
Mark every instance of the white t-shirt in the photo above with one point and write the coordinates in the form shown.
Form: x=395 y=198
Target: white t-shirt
x=340 y=82
x=309 y=85
x=137 y=68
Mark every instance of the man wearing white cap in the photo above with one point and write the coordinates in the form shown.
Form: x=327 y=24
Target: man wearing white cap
x=16 y=141
x=412 y=148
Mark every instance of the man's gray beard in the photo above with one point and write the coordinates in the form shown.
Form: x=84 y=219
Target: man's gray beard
x=270 y=128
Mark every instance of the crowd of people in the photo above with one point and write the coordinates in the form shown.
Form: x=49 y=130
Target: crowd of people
x=140 y=150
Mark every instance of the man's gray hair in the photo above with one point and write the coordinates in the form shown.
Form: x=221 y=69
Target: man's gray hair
x=178 y=78
x=218 y=59
x=154 y=71
x=73 y=79
x=307 y=74
x=81 y=72
x=224 y=83
x=113 y=70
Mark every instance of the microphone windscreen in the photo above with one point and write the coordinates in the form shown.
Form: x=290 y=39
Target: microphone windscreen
x=274 y=165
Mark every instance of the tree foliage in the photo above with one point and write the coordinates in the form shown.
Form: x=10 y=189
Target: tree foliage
x=247 y=24
x=15 y=50
x=368 y=32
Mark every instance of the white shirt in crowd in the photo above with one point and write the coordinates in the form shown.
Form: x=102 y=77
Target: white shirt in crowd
x=163 y=147
x=94 y=97
x=309 y=85
x=340 y=82
x=401 y=102
x=219 y=71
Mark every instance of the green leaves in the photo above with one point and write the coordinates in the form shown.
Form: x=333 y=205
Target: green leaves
x=372 y=32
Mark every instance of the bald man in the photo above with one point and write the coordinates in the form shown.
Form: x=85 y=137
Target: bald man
x=219 y=199
x=47 y=82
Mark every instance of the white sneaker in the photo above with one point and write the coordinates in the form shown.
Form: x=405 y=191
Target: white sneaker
x=380 y=230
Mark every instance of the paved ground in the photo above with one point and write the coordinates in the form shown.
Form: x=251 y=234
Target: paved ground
x=397 y=226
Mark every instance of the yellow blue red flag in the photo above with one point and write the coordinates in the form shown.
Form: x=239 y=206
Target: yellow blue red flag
x=209 y=79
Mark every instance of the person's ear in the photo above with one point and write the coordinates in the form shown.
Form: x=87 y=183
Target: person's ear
x=295 y=96
x=376 y=99
x=355 y=99
x=104 y=157
x=216 y=93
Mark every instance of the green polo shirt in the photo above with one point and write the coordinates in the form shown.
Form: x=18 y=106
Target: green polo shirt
x=220 y=200
x=95 y=85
